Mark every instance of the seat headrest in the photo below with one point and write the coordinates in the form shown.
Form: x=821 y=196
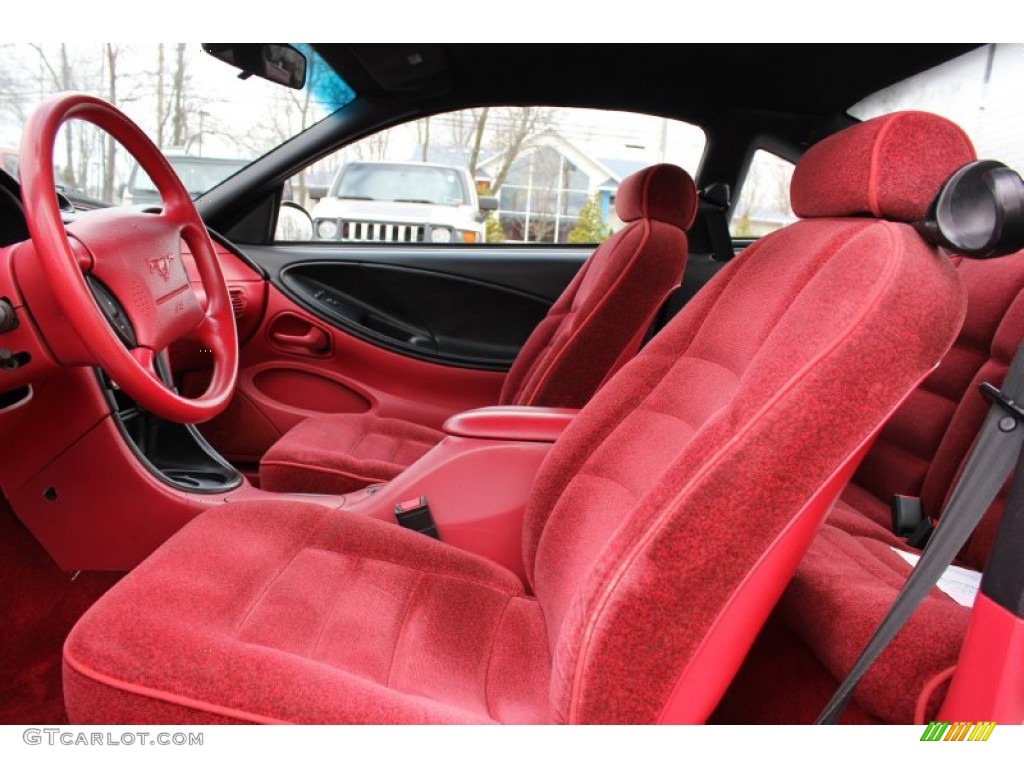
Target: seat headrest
x=889 y=167
x=663 y=192
x=979 y=212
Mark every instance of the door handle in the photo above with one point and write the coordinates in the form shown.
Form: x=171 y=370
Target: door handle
x=314 y=340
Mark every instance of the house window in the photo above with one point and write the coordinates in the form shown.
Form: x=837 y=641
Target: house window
x=532 y=175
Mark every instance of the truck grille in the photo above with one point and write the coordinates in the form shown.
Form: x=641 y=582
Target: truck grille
x=374 y=232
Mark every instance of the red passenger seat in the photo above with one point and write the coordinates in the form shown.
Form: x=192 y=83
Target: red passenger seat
x=589 y=333
x=851 y=575
x=662 y=527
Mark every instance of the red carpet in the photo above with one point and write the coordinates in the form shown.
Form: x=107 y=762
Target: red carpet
x=39 y=603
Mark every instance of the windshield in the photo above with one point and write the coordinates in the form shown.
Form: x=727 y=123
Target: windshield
x=198 y=174
x=401 y=183
x=209 y=122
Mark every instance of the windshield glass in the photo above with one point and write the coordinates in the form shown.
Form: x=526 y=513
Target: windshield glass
x=197 y=174
x=400 y=183
x=209 y=121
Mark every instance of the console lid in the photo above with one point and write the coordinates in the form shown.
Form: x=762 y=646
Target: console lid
x=511 y=422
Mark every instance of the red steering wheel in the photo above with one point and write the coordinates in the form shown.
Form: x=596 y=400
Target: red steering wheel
x=137 y=257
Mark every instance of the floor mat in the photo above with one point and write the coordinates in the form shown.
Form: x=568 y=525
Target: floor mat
x=39 y=603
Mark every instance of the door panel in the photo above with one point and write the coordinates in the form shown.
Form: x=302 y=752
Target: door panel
x=468 y=308
x=299 y=362
x=279 y=387
x=541 y=271
x=423 y=314
x=294 y=335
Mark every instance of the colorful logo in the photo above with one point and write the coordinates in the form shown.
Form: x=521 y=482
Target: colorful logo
x=958 y=731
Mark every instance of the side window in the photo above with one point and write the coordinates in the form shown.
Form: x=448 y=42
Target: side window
x=763 y=204
x=488 y=175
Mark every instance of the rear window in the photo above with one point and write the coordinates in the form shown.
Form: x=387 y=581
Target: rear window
x=982 y=91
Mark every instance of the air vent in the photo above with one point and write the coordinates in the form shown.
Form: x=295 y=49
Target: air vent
x=238 y=301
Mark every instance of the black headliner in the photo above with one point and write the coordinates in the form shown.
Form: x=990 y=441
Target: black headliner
x=693 y=82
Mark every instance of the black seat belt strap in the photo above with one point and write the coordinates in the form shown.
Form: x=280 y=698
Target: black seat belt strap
x=994 y=454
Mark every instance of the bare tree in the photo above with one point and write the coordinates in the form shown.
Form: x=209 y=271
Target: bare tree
x=460 y=126
x=515 y=126
x=18 y=87
x=60 y=76
x=161 y=104
x=466 y=129
x=545 y=172
x=478 y=137
x=423 y=134
x=373 y=147
x=107 y=192
x=179 y=112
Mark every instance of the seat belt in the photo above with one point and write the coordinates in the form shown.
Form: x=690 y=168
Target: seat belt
x=994 y=454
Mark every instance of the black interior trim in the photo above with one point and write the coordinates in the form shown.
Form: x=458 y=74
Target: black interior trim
x=409 y=310
x=175 y=454
x=537 y=270
x=463 y=306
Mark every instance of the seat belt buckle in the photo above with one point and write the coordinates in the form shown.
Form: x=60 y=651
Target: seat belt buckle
x=415 y=515
x=919 y=537
x=907 y=514
x=910 y=521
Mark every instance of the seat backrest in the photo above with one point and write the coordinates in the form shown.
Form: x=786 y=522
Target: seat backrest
x=668 y=518
x=922 y=447
x=598 y=322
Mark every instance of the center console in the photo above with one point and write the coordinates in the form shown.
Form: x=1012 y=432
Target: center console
x=477 y=480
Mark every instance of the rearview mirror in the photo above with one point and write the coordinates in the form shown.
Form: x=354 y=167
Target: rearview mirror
x=488 y=203
x=277 y=62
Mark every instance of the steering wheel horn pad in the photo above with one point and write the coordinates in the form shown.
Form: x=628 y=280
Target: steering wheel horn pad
x=137 y=256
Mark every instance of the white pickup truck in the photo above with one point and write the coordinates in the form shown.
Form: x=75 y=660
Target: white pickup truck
x=392 y=202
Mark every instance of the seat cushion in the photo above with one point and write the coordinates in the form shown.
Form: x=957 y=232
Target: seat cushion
x=842 y=590
x=296 y=613
x=339 y=453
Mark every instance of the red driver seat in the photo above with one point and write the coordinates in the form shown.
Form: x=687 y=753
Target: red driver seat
x=589 y=333
x=662 y=528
